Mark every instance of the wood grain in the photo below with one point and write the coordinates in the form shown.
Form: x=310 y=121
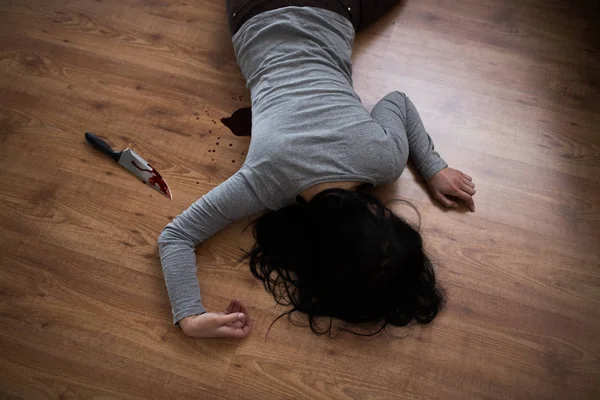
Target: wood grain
x=510 y=91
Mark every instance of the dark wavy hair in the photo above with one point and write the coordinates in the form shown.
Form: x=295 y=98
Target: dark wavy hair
x=345 y=255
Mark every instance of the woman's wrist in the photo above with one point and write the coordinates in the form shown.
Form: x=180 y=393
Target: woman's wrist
x=186 y=321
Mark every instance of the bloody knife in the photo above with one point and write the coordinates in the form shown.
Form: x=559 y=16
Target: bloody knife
x=133 y=163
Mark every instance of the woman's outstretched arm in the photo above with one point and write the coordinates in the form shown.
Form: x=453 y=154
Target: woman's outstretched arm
x=399 y=116
x=231 y=200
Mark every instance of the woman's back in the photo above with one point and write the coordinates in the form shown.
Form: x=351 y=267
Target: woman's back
x=308 y=123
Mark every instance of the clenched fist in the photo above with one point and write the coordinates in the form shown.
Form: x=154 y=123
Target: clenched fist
x=233 y=322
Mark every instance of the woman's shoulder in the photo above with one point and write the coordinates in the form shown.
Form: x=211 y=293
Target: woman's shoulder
x=265 y=182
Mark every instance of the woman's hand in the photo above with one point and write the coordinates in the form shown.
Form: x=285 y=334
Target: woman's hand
x=233 y=322
x=451 y=182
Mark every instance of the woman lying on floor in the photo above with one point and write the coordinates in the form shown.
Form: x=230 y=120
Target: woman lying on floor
x=324 y=247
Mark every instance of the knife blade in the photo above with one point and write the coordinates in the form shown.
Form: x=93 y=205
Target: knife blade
x=133 y=163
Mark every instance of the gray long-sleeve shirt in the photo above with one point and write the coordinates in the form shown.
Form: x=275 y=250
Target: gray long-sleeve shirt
x=308 y=127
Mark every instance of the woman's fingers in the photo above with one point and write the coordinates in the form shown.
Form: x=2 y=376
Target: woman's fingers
x=210 y=325
x=466 y=197
x=244 y=309
x=230 y=307
x=445 y=201
x=238 y=328
x=468 y=189
x=238 y=324
x=471 y=205
x=236 y=306
x=230 y=318
x=230 y=331
x=450 y=184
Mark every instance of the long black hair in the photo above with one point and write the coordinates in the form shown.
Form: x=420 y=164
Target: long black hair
x=345 y=255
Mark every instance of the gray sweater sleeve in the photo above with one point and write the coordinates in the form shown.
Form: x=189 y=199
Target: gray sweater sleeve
x=398 y=115
x=231 y=200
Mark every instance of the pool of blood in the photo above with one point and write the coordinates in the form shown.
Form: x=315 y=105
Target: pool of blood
x=240 y=122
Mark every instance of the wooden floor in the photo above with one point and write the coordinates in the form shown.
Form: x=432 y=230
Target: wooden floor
x=510 y=91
